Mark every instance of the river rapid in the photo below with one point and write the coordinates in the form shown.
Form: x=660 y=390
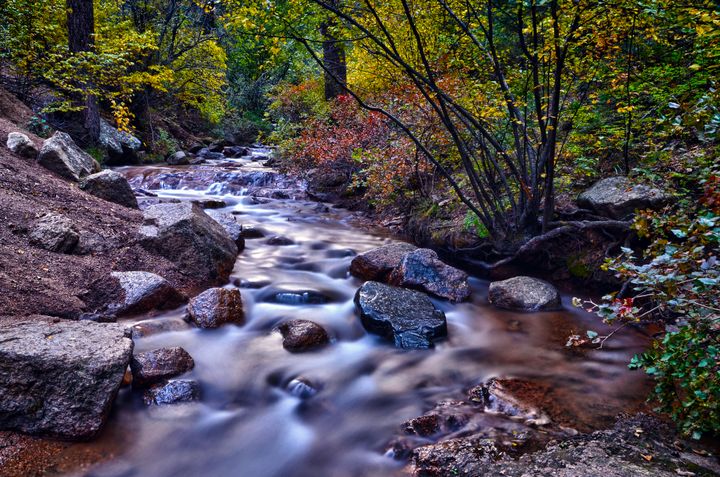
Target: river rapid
x=257 y=419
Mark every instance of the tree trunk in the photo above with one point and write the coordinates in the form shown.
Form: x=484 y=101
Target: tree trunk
x=334 y=61
x=81 y=30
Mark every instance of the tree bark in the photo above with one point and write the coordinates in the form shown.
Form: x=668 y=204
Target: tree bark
x=81 y=31
x=334 y=61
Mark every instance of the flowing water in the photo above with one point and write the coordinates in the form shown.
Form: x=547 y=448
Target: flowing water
x=255 y=418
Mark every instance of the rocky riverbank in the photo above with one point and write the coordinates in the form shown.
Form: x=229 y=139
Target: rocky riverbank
x=322 y=345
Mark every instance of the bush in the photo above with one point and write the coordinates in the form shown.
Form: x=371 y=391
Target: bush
x=677 y=282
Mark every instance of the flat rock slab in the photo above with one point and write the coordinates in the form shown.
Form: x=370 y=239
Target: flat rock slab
x=618 y=198
x=377 y=264
x=524 y=294
x=60 y=379
x=423 y=270
x=406 y=317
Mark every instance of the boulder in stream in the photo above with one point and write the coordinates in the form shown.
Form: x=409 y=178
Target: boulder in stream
x=111 y=186
x=184 y=234
x=22 y=145
x=618 y=198
x=303 y=335
x=61 y=155
x=376 y=264
x=407 y=317
x=151 y=367
x=421 y=269
x=524 y=294
x=231 y=226
x=216 y=307
x=59 y=377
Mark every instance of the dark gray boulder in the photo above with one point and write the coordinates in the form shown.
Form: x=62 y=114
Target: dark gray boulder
x=303 y=335
x=216 y=307
x=22 y=145
x=60 y=378
x=524 y=294
x=129 y=293
x=172 y=392
x=151 y=367
x=406 y=317
x=61 y=155
x=279 y=241
x=421 y=269
x=178 y=159
x=55 y=233
x=187 y=236
x=377 y=264
x=111 y=186
x=122 y=147
x=618 y=198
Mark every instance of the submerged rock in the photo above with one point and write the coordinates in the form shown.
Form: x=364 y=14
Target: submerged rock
x=61 y=155
x=423 y=270
x=303 y=335
x=157 y=365
x=111 y=186
x=172 y=392
x=618 y=198
x=22 y=145
x=216 y=307
x=184 y=234
x=524 y=294
x=55 y=233
x=302 y=387
x=377 y=264
x=407 y=317
x=60 y=378
x=279 y=241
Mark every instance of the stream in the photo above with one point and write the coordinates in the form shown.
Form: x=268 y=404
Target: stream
x=257 y=419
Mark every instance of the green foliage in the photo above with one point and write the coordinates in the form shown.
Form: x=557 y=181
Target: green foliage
x=678 y=283
x=473 y=224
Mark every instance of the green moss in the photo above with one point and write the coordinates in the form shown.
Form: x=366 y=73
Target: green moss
x=577 y=267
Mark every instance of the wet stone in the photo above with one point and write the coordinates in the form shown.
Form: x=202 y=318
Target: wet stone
x=157 y=365
x=524 y=294
x=279 y=241
x=172 y=392
x=216 y=307
x=423 y=270
x=302 y=387
x=377 y=264
x=303 y=335
x=406 y=317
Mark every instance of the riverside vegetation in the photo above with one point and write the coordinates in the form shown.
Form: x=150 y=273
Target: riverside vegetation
x=533 y=143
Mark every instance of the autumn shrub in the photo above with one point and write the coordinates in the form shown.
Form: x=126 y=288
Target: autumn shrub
x=677 y=282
